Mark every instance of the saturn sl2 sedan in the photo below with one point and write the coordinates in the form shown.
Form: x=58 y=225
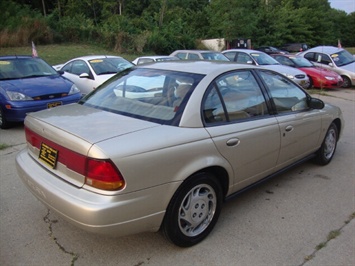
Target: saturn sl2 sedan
x=120 y=164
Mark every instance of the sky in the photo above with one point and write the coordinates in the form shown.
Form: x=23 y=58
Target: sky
x=346 y=5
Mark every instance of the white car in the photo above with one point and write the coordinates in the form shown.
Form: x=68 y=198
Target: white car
x=258 y=58
x=333 y=58
x=89 y=72
x=153 y=58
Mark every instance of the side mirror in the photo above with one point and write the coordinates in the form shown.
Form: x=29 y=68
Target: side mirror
x=250 y=62
x=84 y=75
x=331 y=64
x=60 y=72
x=315 y=103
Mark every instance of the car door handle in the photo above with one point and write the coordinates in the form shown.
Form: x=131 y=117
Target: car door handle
x=233 y=142
x=289 y=128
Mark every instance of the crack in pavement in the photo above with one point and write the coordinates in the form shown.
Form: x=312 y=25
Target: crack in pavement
x=50 y=222
x=336 y=233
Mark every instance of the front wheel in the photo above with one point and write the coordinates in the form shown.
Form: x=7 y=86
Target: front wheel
x=326 y=152
x=193 y=210
x=310 y=83
x=4 y=124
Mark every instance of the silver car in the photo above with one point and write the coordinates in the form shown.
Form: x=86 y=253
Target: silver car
x=153 y=58
x=333 y=58
x=161 y=146
x=199 y=55
x=258 y=58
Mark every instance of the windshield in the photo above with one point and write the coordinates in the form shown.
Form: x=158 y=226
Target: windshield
x=342 y=58
x=149 y=94
x=214 y=56
x=16 y=68
x=301 y=62
x=264 y=59
x=110 y=65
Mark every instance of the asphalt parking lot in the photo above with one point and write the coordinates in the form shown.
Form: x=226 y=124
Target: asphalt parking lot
x=303 y=217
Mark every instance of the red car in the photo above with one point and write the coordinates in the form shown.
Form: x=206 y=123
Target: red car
x=318 y=77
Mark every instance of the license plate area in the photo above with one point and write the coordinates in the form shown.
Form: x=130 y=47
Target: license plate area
x=48 y=155
x=53 y=104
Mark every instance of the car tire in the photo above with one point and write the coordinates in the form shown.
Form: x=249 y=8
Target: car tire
x=326 y=152
x=4 y=124
x=310 y=83
x=346 y=82
x=193 y=211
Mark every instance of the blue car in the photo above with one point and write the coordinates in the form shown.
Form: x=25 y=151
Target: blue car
x=29 y=84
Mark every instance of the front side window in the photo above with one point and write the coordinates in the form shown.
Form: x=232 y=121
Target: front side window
x=286 y=95
x=148 y=94
x=235 y=96
x=323 y=59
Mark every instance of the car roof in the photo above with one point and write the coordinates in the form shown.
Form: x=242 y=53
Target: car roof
x=243 y=50
x=325 y=49
x=16 y=56
x=199 y=67
x=91 y=57
x=195 y=51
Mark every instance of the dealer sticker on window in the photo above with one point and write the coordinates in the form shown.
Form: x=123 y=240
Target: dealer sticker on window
x=48 y=155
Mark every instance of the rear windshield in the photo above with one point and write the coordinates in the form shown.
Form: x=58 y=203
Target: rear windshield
x=149 y=94
x=16 y=68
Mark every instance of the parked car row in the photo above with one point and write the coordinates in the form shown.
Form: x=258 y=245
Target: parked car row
x=335 y=59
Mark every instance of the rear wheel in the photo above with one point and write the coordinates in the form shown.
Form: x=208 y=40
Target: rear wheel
x=326 y=151
x=193 y=210
x=346 y=82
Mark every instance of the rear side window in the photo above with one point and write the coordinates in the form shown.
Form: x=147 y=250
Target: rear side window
x=235 y=96
x=77 y=67
x=310 y=57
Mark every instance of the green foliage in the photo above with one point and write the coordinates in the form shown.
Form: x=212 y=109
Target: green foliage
x=161 y=26
x=20 y=25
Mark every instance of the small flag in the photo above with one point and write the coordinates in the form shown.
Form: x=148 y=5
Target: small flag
x=34 y=51
x=339 y=44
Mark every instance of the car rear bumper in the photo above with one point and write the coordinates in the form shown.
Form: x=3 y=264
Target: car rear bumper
x=114 y=215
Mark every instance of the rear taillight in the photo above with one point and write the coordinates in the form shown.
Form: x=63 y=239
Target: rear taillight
x=101 y=174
